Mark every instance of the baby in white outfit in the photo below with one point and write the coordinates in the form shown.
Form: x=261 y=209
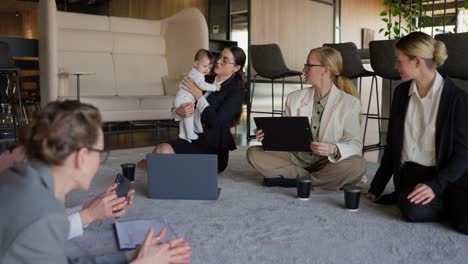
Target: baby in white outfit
x=201 y=67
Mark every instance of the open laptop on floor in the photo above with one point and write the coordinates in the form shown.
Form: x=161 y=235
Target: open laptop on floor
x=182 y=176
x=287 y=133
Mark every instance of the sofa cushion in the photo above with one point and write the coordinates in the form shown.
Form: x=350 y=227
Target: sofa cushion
x=130 y=108
x=113 y=103
x=171 y=84
x=136 y=115
x=156 y=102
x=139 y=75
x=85 y=40
x=100 y=84
x=132 y=25
x=82 y=21
x=130 y=43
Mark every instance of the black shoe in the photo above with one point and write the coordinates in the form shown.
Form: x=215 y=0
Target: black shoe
x=388 y=199
x=280 y=182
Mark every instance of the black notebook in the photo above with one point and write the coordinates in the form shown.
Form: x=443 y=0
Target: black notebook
x=289 y=133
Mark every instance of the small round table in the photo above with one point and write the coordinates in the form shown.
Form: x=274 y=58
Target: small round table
x=77 y=74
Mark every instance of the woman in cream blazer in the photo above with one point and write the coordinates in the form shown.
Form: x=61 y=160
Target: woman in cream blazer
x=334 y=113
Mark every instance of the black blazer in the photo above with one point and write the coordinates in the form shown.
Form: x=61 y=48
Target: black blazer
x=225 y=107
x=451 y=141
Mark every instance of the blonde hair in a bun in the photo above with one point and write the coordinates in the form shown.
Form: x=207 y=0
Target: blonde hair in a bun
x=419 y=44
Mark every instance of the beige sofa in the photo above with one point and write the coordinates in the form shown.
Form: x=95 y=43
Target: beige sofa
x=137 y=63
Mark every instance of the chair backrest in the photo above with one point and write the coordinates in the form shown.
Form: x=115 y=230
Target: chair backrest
x=6 y=60
x=267 y=60
x=382 y=58
x=352 y=65
x=456 y=64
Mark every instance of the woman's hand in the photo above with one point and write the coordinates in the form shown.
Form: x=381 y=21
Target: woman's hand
x=185 y=110
x=369 y=196
x=152 y=251
x=258 y=134
x=106 y=205
x=422 y=194
x=323 y=149
x=191 y=87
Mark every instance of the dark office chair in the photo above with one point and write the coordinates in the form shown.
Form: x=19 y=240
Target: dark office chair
x=352 y=65
x=382 y=58
x=456 y=64
x=267 y=60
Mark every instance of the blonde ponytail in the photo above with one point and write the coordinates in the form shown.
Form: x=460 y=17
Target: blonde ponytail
x=440 y=52
x=331 y=58
x=346 y=85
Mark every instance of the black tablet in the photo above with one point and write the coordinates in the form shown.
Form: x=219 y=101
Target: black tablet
x=291 y=133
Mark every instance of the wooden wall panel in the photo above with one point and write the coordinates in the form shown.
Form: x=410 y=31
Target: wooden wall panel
x=120 y=8
x=22 y=26
x=358 y=14
x=295 y=25
x=154 y=9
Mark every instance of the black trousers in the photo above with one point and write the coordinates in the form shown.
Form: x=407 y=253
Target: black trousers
x=453 y=204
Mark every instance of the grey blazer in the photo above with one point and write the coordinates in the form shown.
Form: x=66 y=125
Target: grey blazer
x=34 y=225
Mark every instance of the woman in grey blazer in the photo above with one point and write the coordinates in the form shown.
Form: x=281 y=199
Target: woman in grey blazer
x=64 y=144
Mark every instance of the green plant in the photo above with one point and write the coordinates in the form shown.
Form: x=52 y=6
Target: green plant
x=402 y=16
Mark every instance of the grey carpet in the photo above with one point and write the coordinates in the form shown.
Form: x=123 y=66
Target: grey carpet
x=253 y=224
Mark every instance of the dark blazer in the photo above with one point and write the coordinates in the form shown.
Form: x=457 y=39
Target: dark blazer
x=451 y=141
x=225 y=107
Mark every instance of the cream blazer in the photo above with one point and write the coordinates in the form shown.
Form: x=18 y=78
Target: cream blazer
x=340 y=124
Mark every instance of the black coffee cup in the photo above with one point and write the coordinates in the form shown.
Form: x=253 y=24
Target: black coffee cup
x=304 y=185
x=352 y=195
x=128 y=170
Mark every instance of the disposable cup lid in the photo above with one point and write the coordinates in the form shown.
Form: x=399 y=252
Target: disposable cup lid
x=128 y=165
x=352 y=188
x=304 y=179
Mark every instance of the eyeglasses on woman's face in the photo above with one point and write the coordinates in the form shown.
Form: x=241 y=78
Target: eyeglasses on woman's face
x=224 y=60
x=308 y=65
x=103 y=153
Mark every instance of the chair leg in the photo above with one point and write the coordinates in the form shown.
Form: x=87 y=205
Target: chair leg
x=360 y=87
x=282 y=99
x=368 y=109
x=272 y=99
x=378 y=114
x=249 y=108
x=19 y=100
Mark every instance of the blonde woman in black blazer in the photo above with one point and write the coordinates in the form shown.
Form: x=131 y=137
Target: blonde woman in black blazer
x=427 y=140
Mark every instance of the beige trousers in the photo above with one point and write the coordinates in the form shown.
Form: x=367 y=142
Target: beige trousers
x=330 y=176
